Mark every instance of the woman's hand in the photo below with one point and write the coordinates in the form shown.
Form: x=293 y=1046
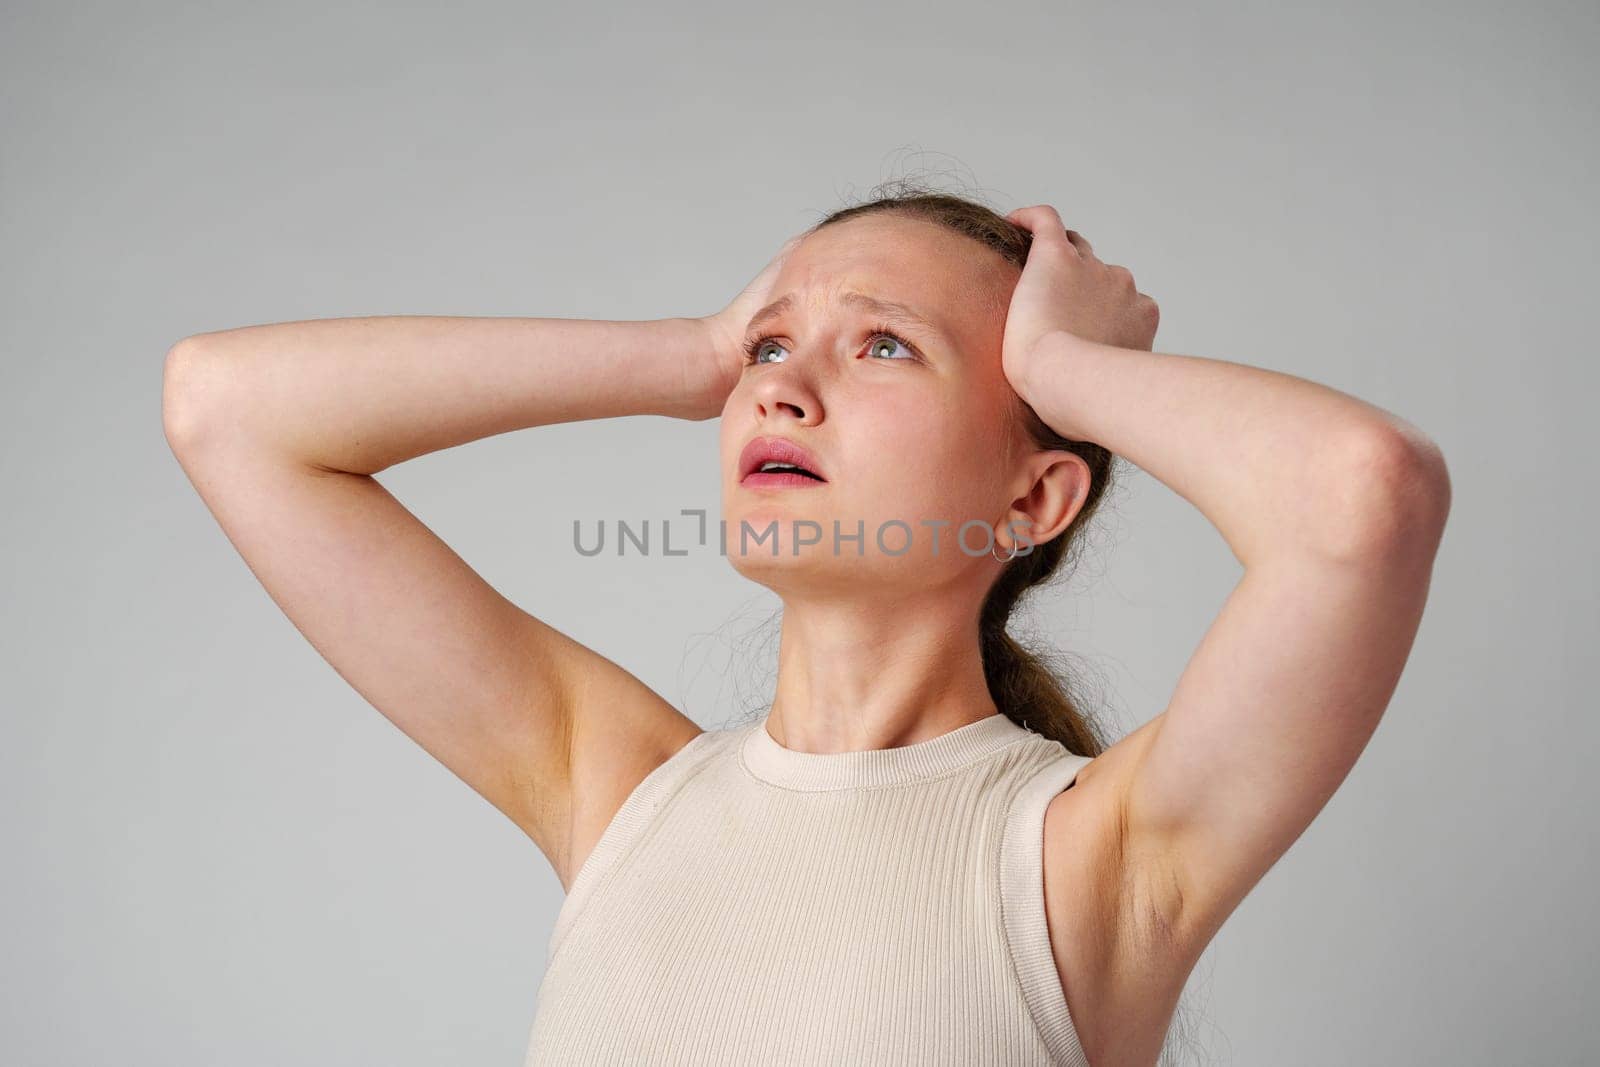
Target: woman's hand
x=1065 y=287
x=714 y=376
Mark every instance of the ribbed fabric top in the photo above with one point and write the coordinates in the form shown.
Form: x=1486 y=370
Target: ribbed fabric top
x=770 y=761
x=753 y=904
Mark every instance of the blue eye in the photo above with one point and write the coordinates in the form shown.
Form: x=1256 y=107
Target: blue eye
x=754 y=347
x=882 y=340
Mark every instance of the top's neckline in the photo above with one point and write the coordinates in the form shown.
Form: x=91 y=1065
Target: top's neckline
x=772 y=762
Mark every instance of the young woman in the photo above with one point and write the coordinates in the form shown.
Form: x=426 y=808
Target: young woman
x=923 y=853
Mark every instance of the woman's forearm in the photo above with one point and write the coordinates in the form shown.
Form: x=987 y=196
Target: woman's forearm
x=362 y=394
x=1277 y=463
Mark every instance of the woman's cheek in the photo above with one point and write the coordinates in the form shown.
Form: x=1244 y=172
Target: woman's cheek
x=919 y=479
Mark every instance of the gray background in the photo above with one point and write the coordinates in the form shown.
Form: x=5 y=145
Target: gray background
x=216 y=852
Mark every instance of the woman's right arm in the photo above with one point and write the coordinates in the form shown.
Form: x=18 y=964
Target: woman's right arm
x=281 y=428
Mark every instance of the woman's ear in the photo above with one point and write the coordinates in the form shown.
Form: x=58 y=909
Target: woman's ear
x=1058 y=484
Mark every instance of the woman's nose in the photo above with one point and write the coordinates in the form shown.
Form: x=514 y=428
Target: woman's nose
x=787 y=392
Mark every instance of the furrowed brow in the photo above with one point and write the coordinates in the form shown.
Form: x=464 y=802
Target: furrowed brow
x=888 y=309
x=885 y=308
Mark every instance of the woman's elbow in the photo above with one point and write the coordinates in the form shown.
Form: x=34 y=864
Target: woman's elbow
x=192 y=380
x=1406 y=493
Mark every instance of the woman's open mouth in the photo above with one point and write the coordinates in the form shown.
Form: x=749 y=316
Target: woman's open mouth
x=781 y=474
x=773 y=462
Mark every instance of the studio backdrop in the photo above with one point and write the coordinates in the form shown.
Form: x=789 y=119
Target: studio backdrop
x=215 y=851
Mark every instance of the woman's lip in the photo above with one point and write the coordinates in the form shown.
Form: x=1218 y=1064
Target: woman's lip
x=764 y=449
x=778 y=480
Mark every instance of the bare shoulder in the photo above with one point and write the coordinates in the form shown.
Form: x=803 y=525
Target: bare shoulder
x=616 y=742
x=1110 y=914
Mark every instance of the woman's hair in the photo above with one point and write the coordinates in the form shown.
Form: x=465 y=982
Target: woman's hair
x=1021 y=683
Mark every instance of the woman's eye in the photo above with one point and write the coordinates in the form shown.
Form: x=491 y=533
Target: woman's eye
x=885 y=345
x=756 y=350
x=881 y=345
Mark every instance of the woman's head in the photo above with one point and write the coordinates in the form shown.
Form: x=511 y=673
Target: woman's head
x=879 y=354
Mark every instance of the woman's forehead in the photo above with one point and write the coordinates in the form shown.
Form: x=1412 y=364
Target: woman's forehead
x=918 y=264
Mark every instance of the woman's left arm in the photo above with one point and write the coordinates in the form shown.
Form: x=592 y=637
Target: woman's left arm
x=1335 y=508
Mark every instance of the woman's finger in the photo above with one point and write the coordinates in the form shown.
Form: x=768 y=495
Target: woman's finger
x=1044 y=222
x=1040 y=219
x=1081 y=243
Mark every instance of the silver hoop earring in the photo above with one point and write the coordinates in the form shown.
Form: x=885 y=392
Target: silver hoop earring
x=1008 y=559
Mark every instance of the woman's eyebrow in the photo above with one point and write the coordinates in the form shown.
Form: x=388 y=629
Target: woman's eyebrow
x=770 y=312
x=885 y=308
x=889 y=309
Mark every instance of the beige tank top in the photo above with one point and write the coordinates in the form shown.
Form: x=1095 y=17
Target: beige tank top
x=753 y=904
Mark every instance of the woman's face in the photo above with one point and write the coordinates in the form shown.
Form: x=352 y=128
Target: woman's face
x=910 y=422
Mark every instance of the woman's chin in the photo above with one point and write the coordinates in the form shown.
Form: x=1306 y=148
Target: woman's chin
x=794 y=561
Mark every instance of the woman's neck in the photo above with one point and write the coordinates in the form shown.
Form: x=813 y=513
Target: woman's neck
x=862 y=674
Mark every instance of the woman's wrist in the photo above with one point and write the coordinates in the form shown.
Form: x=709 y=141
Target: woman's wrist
x=699 y=385
x=712 y=367
x=1037 y=375
x=660 y=367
